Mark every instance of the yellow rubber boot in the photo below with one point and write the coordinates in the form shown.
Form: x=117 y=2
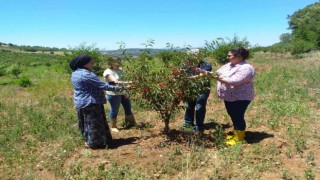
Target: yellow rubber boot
x=238 y=136
x=113 y=123
x=231 y=136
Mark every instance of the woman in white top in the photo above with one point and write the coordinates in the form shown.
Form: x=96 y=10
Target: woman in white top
x=114 y=75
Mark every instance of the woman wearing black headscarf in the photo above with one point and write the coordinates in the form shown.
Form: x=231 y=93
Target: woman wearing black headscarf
x=89 y=99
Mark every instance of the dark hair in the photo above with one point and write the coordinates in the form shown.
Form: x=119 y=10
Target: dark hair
x=80 y=61
x=114 y=60
x=240 y=52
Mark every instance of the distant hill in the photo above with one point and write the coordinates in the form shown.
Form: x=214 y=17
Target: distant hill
x=34 y=49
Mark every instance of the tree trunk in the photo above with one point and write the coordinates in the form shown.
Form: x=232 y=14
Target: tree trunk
x=166 y=118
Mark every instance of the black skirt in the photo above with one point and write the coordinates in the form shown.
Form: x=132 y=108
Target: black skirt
x=93 y=126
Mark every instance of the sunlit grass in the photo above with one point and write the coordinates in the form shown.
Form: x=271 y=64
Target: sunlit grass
x=38 y=127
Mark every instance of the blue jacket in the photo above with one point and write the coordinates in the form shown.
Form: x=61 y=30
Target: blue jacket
x=88 y=88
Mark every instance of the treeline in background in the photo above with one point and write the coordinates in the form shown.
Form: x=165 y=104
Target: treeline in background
x=305 y=32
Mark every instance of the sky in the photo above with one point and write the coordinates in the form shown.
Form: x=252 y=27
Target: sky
x=106 y=23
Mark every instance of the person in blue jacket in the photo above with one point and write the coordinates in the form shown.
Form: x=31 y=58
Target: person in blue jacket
x=89 y=100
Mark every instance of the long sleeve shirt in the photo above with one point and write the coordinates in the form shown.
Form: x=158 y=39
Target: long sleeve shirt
x=118 y=75
x=239 y=82
x=88 y=88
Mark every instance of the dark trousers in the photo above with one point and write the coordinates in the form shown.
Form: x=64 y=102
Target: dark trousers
x=196 y=110
x=93 y=126
x=236 y=111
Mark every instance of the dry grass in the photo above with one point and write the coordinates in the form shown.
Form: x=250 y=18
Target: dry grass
x=40 y=139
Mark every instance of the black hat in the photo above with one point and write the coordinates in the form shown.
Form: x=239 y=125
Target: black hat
x=79 y=61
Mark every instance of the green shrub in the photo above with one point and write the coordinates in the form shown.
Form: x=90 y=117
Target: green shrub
x=220 y=54
x=281 y=47
x=2 y=72
x=35 y=64
x=4 y=50
x=31 y=50
x=15 y=70
x=301 y=46
x=145 y=56
x=24 y=82
x=218 y=49
x=166 y=56
x=2 y=69
x=91 y=50
x=47 y=64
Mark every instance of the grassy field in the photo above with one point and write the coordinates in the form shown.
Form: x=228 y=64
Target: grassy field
x=40 y=139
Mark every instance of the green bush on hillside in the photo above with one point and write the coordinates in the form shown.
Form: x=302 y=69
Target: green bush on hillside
x=2 y=72
x=220 y=54
x=301 y=46
x=91 y=50
x=172 y=57
x=218 y=49
x=15 y=70
x=3 y=69
x=24 y=82
x=305 y=24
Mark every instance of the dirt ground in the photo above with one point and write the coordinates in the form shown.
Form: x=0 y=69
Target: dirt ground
x=146 y=146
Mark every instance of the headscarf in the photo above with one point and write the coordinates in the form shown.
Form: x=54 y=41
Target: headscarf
x=79 y=61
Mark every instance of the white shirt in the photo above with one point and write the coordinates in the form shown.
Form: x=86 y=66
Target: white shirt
x=118 y=75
